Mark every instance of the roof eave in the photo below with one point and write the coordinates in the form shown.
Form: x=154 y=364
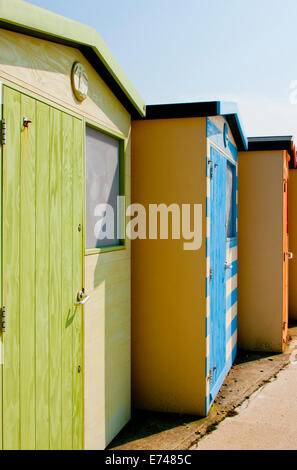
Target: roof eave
x=230 y=111
x=17 y=15
x=275 y=143
x=202 y=109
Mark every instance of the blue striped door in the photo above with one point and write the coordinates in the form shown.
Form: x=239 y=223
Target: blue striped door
x=217 y=263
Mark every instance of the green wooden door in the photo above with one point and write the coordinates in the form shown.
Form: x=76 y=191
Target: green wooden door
x=42 y=264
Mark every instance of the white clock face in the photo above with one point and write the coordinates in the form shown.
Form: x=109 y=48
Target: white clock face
x=79 y=81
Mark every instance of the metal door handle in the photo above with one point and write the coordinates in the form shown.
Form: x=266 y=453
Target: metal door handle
x=290 y=255
x=82 y=298
x=228 y=266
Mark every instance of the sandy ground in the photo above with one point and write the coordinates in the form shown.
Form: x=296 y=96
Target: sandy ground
x=267 y=421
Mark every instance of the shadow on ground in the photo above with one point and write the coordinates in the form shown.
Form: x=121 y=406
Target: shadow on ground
x=247 y=356
x=146 y=423
x=163 y=431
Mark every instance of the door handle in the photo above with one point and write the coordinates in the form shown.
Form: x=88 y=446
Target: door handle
x=82 y=298
x=290 y=255
x=228 y=266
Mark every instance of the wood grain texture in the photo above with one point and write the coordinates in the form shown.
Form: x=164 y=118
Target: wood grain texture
x=55 y=280
x=68 y=143
x=11 y=266
x=42 y=275
x=27 y=276
x=44 y=68
x=78 y=204
x=43 y=259
x=107 y=348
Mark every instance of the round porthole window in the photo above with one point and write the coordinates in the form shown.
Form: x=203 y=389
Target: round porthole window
x=79 y=81
x=226 y=135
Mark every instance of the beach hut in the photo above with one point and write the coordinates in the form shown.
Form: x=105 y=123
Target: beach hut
x=263 y=187
x=66 y=109
x=184 y=299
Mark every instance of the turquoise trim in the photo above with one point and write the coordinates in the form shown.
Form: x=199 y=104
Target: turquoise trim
x=230 y=111
x=217 y=137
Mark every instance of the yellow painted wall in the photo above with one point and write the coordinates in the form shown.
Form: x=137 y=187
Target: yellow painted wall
x=260 y=251
x=293 y=245
x=168 y=283
x=43 y=69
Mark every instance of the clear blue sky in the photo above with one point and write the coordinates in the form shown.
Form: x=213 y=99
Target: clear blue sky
x=191 y=50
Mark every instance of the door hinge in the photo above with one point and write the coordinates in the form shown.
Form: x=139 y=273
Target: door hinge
x=209 y=377
x=284 y=325
x=211 y=274
x=285 y=186
x=3 y=319
x=211 y=172
x=3 y=132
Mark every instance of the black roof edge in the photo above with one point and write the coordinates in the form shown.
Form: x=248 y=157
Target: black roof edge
x=181 y=110
x=274 y=143
x=200 y=109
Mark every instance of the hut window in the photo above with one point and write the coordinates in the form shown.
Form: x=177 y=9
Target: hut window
x=231 y=201
x=102 y=189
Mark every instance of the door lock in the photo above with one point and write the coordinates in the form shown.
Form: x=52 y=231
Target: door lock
x=82 y=298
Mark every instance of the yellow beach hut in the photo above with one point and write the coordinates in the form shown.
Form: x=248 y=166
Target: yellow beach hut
x=184 y=300
x=263 y=270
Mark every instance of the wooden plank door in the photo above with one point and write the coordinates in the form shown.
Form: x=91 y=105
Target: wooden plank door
x=286 y=253
x=217 y=263
x=43 y=265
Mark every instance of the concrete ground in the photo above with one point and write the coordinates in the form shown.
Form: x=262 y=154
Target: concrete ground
x=161 y=431
x=267 y=421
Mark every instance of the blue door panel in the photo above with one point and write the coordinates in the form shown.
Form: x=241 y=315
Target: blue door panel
x=217 y=263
